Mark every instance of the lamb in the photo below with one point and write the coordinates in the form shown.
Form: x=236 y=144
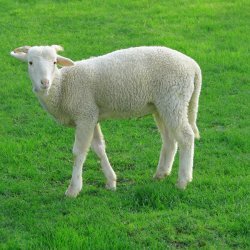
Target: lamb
x=125 y=83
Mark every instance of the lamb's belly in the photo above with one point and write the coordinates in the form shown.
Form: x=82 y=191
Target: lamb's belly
x=130 y=113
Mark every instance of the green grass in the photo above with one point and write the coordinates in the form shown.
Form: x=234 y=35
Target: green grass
x=35 y=152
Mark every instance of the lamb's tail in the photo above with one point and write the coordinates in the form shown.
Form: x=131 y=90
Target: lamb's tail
x=193 y=103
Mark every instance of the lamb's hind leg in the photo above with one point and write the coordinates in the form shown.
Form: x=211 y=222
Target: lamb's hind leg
x=184 y=135
x=168 y=150
x=176 y=118
x=98 y=145
x=185 y=139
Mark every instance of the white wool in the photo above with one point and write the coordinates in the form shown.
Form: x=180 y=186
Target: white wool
x=126 y=83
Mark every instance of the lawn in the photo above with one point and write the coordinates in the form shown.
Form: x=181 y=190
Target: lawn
x=35 y=152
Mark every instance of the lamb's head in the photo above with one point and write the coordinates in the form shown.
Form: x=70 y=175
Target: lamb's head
x=42 y=64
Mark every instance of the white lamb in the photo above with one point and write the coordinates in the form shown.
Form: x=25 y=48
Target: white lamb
x=126 y=83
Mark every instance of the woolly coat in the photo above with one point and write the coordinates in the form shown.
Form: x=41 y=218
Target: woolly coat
x=126 y=83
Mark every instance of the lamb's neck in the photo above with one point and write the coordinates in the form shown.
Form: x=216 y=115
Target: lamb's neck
x=50 y=99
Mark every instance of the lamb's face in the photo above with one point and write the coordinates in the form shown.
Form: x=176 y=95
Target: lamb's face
x=42 y=67
x=42 y=62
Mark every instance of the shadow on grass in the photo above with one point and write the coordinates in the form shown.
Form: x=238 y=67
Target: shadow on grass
x=157 y=195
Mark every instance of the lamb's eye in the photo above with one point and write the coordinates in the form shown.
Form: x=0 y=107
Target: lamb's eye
x=30 y=63
x=55 y=62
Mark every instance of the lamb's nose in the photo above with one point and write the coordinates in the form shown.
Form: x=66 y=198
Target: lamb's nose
x=45 y=82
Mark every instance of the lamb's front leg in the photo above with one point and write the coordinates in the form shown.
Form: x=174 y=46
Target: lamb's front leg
x=98 y=145
x=83 y=137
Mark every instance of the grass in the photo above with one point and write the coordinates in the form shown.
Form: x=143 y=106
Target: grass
x=35 y=152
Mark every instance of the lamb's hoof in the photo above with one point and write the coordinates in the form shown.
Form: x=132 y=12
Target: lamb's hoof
x=72 y=192
x=160 y=176
x=111 y=185
x=182 y=184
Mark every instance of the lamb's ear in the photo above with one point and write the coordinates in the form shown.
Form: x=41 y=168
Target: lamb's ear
x=57 y=47
x=63 y=61
x=20 y=53
x=20 y=56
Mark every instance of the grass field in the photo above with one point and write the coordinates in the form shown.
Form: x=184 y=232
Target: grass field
x=35 y=152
